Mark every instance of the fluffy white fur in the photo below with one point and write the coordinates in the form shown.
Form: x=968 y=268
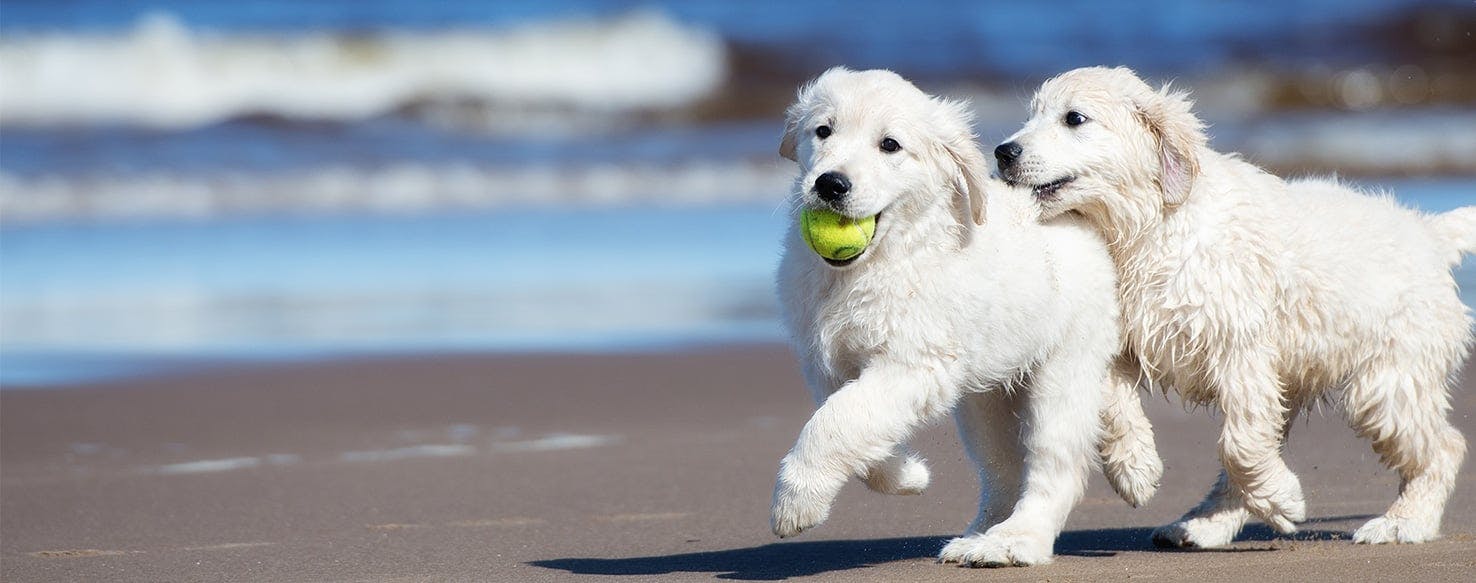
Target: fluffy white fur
x=1261 y=296
x=963 y=302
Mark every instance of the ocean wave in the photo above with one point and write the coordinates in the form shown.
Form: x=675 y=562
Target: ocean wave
x=392 y=189
x=162 y=74
x=1389 y=142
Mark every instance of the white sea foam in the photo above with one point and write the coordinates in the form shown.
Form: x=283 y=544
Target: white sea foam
x=1369 y=143
x=163 y=74
x=398 y=188
x=226 y=464
x=558 y=442
x=209 y=466
x=402 y=453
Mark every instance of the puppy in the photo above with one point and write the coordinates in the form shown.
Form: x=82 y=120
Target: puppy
x=1260 y=297
x=962 y=302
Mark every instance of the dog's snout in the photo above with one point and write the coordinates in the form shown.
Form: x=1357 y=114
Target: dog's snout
x=1007 y=152
x=832 y=186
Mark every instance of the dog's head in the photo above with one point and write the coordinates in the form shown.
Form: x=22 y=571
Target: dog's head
x=1098 y=136
x=871 y=143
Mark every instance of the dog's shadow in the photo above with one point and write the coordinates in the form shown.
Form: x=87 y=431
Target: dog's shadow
x=797 y=559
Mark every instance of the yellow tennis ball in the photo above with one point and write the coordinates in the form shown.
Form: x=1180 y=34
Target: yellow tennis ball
x=836 y=236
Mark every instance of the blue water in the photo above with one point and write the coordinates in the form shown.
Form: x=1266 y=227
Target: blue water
x=622 y=234
x=94 y=301
x=941 y=37
x=84 y=300
x=255 y=147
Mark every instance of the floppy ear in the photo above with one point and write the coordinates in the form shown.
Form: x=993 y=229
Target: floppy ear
x=790 y=140
x=969 y=177
x=792 y=117
x=970 y=168
x=1169 y=116
x=795 y=114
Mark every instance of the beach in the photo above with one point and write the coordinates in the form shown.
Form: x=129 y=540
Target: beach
x=618 y=467
x=386 y=290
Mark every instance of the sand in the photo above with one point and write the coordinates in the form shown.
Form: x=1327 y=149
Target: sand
x=553 y=468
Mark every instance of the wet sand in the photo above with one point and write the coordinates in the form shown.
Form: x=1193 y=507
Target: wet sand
x=552 y=468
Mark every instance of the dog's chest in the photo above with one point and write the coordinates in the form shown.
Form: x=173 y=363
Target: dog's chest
x=890 y=313
x=1165 y=324
x=1186 y=309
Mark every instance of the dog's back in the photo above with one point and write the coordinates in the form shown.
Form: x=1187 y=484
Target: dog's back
x=1345 y=276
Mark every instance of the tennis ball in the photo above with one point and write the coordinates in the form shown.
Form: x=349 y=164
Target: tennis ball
x=836 y=236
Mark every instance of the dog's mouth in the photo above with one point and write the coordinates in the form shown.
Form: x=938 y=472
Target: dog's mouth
x=874 y=238
x=1048 y=190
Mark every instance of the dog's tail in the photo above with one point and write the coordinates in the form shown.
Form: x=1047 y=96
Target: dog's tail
x=1129 y=457
x=1457 y=229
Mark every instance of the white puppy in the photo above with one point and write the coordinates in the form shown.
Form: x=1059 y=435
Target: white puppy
x=1012 y=324
x=1260 y=297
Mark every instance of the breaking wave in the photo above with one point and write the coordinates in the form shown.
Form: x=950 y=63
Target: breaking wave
x=407 y=187
x=163 y=74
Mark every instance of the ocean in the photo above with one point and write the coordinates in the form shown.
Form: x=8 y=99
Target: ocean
x=197 y=183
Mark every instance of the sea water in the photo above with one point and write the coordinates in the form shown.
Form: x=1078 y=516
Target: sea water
x=186 y=184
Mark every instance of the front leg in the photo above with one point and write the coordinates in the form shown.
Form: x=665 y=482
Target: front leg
x=1250 y=444
x=1217 y=519
x=853 y=431
x=1129 y=457
x=902 y=473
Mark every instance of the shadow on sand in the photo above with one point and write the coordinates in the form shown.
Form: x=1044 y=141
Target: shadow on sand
x=797 y=559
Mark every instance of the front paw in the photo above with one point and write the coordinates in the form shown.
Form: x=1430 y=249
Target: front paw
x=1134 y=477
x=1000 y=546
x=797 y=508
x=1278 y=502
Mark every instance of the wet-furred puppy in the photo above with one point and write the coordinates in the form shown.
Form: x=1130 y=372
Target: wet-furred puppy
x=1259 y=297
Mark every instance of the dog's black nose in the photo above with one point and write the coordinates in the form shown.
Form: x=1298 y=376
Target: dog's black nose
x=832 y=186
x=1007 y=152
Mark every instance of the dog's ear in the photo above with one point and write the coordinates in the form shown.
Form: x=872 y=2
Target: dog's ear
x=969 y=177
x=790 y=141
x=1169 y=116
x=970 y=168
x=794 y=116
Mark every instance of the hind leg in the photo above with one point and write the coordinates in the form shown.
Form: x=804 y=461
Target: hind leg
x=1061 y=410
x=989 y=427
x=1403 y=412
x=905 y=473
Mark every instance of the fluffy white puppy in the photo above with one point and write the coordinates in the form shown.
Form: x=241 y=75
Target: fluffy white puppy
x=962 y=302
x=1259 y=297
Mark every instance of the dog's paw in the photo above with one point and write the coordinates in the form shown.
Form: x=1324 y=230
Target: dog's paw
x=1135 y=479
x=1279 y=503
x=1384 y=530
x=999 y=547
x=1196 y=533
x=796 y=509
x=907 y=476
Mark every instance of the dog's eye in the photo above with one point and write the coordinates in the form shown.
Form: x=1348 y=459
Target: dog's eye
x=822 y=132
x=1075 y=118
x=890 y=145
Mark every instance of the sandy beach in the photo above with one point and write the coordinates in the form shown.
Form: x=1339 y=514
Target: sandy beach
x=553 y=468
